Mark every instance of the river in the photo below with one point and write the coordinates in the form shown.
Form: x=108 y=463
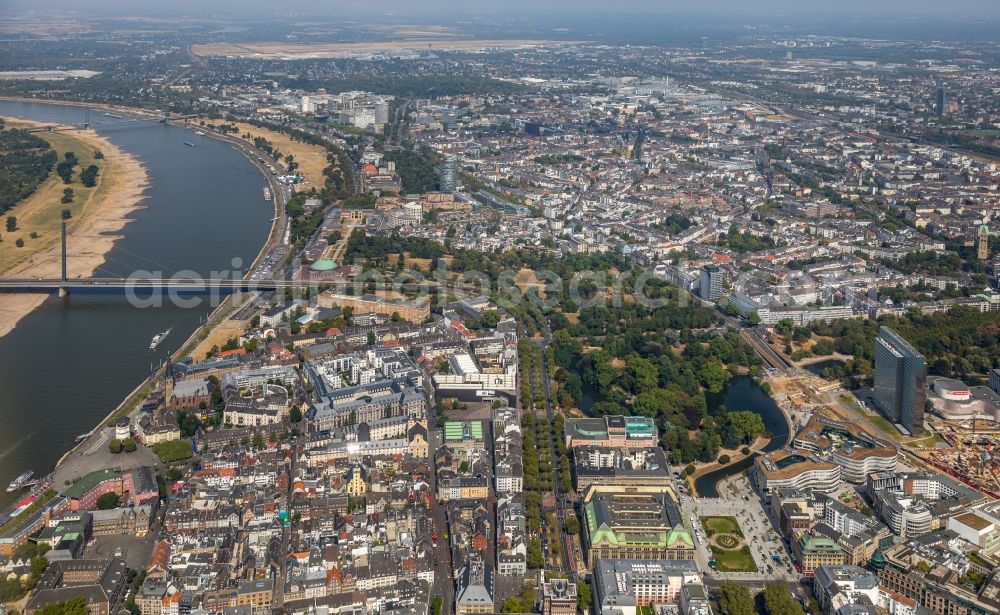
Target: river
x=70 y=362
x=742 y=393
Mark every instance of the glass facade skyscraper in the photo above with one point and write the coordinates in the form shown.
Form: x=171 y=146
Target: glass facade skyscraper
x=900 y=380
x=448 y=174
x=710 y=282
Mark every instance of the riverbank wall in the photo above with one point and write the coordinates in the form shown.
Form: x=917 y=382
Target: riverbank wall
x=226 y=307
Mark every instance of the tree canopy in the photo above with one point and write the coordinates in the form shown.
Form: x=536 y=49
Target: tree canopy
x=741 y=427
x=108 y=501
x=73 y=606
x=25 y=162
x=778 y=600
x=735 y=599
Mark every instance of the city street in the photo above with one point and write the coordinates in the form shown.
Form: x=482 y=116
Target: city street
x=761 y=537
x=444 y=582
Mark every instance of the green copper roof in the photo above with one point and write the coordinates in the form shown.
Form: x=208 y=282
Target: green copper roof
x=323 y=264
x=602 y=534
x=88 y=482
x=679 y=535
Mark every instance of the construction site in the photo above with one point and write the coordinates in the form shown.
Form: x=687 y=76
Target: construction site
x=968 y=450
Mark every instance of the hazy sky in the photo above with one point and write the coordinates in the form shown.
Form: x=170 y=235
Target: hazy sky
x=755 y=8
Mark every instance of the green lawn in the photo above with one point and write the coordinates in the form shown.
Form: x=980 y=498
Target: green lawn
x=882 y=423
x=875 y=418
x=849 y=401
x=929 y=442
x=729 y=560
x=174 y=450
x=974 y=557
x=734 y=561
x=721 y=525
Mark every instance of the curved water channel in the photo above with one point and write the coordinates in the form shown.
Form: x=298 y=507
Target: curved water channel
x=742 y=393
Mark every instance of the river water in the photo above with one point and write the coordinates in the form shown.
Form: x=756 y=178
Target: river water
x=70 y=362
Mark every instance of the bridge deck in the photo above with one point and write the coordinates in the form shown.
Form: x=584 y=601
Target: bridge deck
x=48 y=285
x=145 y=285
x=124 y=120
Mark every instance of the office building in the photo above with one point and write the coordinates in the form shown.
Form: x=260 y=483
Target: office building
x=860 y=548
x=710 y=283
x=929 y=571
x=414 y=311
x=979 y=528
x=836 y=586
x=622 y=585
x=381 y=112
x=448 y=174
x=939 y=102
x=812 y=550
x=789 y=469
x=474 y=589
x=857 y=452
x=620 y=467
x=612 y=431
x=100 y=582
x=694 y=600
x=558 y=597
x=635 y=526
x=917 y=503
x=900 y=381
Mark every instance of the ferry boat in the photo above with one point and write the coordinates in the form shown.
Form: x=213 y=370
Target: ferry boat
x=267 y=193
x=159 y=337
x=19 y=482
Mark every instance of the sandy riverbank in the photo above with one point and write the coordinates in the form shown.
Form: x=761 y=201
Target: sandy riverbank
x=216 y=319
x=92 y=232
x=310 y=158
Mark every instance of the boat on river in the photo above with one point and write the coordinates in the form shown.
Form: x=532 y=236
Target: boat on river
x=159 y=337
x=20 y=481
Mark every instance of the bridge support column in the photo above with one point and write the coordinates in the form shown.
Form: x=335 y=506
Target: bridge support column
x=62 y=253
x=63 y=291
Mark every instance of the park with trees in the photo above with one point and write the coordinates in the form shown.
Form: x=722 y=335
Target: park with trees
x=25 y=162
x=959 y=343
x=656 y=363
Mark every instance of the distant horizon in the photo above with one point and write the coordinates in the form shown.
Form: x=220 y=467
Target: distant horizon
x=728 y=10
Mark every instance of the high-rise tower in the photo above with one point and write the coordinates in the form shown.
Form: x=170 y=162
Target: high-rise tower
x=900 y=380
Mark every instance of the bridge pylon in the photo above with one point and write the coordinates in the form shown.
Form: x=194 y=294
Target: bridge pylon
x=63 y=291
